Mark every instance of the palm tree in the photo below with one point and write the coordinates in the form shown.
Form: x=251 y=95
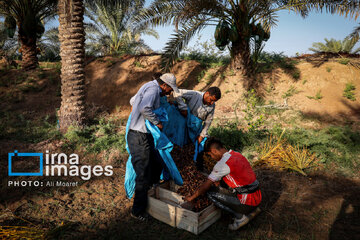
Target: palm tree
x=72 y=53
x=238 y=22
x=335 y=46
x=110 y=28
x=49 y=45
x=8 y=46
x=27 y=16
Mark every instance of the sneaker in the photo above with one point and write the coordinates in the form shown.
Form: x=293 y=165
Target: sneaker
x=144 y=217
x=254 y=213
x=238 y=223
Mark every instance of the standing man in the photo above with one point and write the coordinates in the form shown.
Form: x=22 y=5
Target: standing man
x=145 y=158
x=201 y=105
x=244 y=195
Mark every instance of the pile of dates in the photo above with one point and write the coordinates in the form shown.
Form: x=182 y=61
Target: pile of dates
x=192 y=178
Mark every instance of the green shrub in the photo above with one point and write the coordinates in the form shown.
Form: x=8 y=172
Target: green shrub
x=349 y=91
x=290 y=92
x=344 y=61
x=136 y=63
x=317 y=96
x=201 y=75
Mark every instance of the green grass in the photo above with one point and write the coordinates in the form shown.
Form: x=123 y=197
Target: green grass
x=349 y=91
x=138 y=64
x=51 y=65
x=317 y=96
x=267 y=62
x=96 y=138
x=230 y=73
x=296 y=75
x=209 y=78
x=337 y=145
x=290 y=92
x=206 y=60
x=42 y=75
x=334 y=146
x=344 y=61
x=14 y=126
x=328 y=69
x=270 y=87
x=201 y=75
x=30 y=85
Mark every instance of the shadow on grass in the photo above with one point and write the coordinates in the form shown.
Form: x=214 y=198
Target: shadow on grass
x=293 y=208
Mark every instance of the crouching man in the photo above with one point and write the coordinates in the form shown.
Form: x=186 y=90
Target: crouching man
x=243 y=196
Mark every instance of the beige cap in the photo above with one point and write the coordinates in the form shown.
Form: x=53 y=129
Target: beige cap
x=170 y=80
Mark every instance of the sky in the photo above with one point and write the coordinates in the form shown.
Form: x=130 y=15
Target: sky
x=293 y=34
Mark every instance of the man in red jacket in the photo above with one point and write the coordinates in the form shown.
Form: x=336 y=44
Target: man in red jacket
x=244 y=195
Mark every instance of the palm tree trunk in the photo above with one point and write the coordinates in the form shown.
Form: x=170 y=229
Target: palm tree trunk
x=72 y=52
x=241 y=61
x=29 y=52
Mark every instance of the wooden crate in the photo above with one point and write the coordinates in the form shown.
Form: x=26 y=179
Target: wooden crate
x=167 y=206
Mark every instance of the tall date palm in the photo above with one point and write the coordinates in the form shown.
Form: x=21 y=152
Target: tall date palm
x=72 y=53
x=27 y=17
x=110 y=29
x=243 y=20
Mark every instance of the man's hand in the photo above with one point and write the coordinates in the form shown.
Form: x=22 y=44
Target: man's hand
x=199 y=139
x=160 y=126
x=184 y=113
x=188 y=198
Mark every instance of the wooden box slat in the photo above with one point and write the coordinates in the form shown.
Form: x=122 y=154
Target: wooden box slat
x=164 y=205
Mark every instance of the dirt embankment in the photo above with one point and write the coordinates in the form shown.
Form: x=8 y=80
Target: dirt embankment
x=111 y=82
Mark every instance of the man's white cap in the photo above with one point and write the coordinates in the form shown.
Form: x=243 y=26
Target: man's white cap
x=170 y=80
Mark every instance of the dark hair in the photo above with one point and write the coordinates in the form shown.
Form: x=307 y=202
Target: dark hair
x=160 y=82
x=215 y=91
x=213 y=143
x=156 y=75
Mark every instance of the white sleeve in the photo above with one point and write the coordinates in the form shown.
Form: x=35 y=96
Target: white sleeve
x=220 y=170
x=132 y=100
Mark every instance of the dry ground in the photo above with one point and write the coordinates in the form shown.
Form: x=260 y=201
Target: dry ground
x=320 y=206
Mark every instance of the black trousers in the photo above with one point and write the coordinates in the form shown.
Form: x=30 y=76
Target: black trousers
x=147 y=164
x=229 y=202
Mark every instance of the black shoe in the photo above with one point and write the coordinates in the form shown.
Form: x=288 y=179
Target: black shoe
x=143 y=217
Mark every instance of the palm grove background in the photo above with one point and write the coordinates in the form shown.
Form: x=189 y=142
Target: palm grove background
x=43 y=68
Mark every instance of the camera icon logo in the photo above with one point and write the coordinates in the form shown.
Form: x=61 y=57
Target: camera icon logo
x=16 y=153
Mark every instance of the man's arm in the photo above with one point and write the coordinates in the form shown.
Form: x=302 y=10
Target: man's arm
x=183 y=94
x=207 y=124
x=146 y=105
x=200 y=191
x=219 y=171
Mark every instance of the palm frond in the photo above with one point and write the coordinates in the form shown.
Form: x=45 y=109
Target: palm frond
x=179 y=40
x=335 y=46
x=355 y=33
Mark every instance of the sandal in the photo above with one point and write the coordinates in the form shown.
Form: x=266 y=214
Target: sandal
x=238 y=223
